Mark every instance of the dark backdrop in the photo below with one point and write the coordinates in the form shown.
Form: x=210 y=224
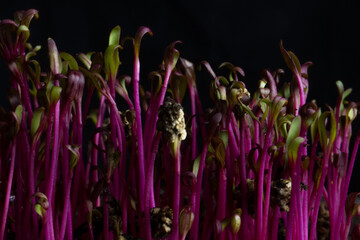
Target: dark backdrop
x=246 y=33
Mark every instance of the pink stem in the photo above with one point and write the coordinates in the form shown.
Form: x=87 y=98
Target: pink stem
x=8 y=190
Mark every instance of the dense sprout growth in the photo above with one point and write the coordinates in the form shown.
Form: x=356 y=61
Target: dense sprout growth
x=265 y=165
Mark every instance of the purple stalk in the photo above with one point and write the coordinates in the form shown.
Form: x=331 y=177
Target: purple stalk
x=79 y=178
x=243 y=179
x=260 y=185
x=265 y=231
x=176 y=194
x=149 y=176
x=195 y=228
x=319 y=189
x=193 y=124
x=301 y=93
x=348 y=177
x=295 y=204
x=67 y=206
x=139 y=134
x=8 y=190
x=54 y=163
x=96 y=137
x=221 y=197
x=153 y=110
x=305 y=201
x=23 y=141
x=274 y=225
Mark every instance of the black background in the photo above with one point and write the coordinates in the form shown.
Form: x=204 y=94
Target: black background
x=246 y=33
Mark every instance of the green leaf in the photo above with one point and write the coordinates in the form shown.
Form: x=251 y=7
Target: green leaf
x=220 y=150
x=155 y=85
x=296 y=62
x=224 y=223
x=275 y=107
x=93 y=79
x=19 y=112
x=24 y=32
x=55 y=61
x=249 y=111
x=39 y=210
x=224 y=135
x=283 y=122
x=294 y=130
x=75 y=155
x=291 y=60
x=277 y=104
x=85 y=59
x=223 y=81
x=293 y=134
x=236 y=223
x=70 y=59
x=111 y=57
x=255 y=166
x=314 y=127
x=37 y=71
x=138 y=37
x=114 y=37
x=178 y=86
x=196 y=166
x=325 y=140
x=25 y=17
x=340 y=87
x=55 y=93
x=111 y=60
x=189 y=72
x=333 y=129
x=294 y=147
x=17 y=115
x=171 y=55
x=36 y=120
x=93 y=116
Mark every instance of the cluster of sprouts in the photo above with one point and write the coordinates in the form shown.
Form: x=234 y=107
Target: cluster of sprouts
x=265 y=165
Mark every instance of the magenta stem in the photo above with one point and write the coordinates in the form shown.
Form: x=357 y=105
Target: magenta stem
x=8 y=190
x=149 y=176
x=176 y=194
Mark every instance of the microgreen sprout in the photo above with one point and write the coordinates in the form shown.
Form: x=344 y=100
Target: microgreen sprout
x=87 y=152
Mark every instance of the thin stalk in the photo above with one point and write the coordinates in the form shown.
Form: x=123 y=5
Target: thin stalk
x=8 y=190
x=54 y=163
x=295 y=213
x=149 y=176
x=260 y=185
x=265 y=231
x=243 y=180
x=139 y=132
x=348 y=177
x=67 y=206
x=275 y=223
x=195 y=228
x=221 y=197
x=176 y=194
x=319 y=194
x=65 y=125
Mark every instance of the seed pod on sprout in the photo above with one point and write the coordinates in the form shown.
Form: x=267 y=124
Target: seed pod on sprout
x=236 y=221
x=323 y=222
x=171 y=120
x=161 y=222
x=281 y=193
x=186 y=220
